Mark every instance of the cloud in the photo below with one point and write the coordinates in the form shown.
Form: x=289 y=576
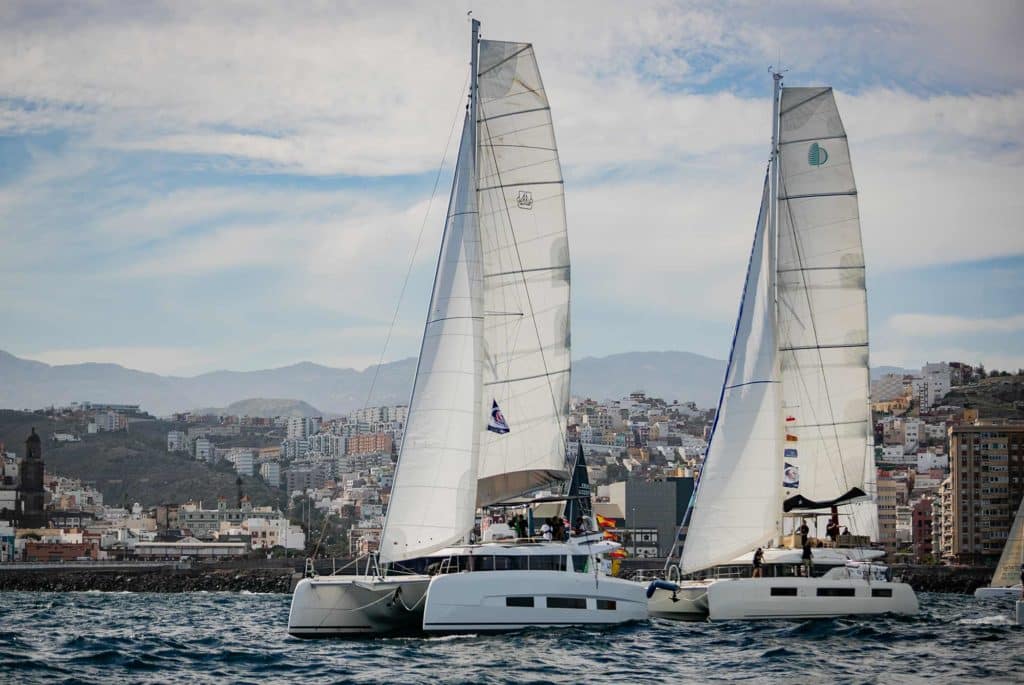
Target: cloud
x=938 y=325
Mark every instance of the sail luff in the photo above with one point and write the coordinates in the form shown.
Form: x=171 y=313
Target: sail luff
x=1012 y=559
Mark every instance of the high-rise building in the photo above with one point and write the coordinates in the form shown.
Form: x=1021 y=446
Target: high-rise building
x=986 y=486
x=270 y=472
x=30 y=492
x=297 y=428
x=886 y=497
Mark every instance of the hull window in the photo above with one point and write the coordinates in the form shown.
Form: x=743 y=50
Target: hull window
x=519 y=601
x=881 y=592
x=547 y=562
x=579 y=562
x=567 y=603
x=836 y=592
x=606 y=604
x=783 y=592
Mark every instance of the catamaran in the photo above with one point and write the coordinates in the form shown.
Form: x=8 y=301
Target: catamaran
x=488 y=412
x=793 y=429
x=1007 y=580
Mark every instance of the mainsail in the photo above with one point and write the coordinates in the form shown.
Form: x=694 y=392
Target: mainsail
x=794 y=407
x=526 y=276
x=1008 y=571
x=433 y=499
x=496 y=341
x=822 y=301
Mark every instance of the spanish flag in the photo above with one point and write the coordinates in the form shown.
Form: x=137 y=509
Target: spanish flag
x=608 y=535
x=604 y=522
x=617 y=553
x=791 y=438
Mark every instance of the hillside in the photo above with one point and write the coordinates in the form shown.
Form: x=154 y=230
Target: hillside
x=266 y=408
x=1001 y=397
x=131 y=467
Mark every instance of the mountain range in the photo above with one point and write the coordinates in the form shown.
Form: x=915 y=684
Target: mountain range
x=31 y=384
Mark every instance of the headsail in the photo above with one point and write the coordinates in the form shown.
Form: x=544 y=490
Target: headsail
x=433 y=501
x=580 y=503
x=737 y=505
x=526 y=276
x=1010 y=561
x=823 y=324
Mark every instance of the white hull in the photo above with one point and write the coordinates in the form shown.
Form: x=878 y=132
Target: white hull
x=688 y=603
x=480 y=601
x=333 y=606
x=999 y=592
x=772 y=598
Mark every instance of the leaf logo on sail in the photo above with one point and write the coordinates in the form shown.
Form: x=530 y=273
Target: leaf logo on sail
x=524 y=200
x=817 y=155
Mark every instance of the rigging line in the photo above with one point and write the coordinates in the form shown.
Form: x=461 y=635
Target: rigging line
x=526 y=287
x=416 y=249
x=814 y=331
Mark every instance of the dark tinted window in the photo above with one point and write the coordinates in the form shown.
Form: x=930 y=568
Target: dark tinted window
x=519 y=601
x=608 y=604
x=510 y=563
x=881 y=592
x=567 y=603
x=579 y=563
x=547 y=562
x=783 y=592
x=836 y=592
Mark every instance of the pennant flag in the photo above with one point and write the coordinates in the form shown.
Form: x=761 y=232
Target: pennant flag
x=791 y=476
x=497 y=424
x=604 y=522
x=790 y=453
x=791 y=438
x=790 y=418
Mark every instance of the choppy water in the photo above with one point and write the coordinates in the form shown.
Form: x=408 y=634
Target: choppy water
x=229 y=637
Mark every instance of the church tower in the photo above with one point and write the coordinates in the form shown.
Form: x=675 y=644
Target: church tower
x=31 y=490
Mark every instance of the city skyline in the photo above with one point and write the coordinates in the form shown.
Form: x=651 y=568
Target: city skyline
x=184 y=191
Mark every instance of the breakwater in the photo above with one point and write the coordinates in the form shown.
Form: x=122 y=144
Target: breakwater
x=147 y=580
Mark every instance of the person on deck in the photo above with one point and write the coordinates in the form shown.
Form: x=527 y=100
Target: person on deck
x=804 y=531
x=808 y=559
x=545 y=530
x=758 y=564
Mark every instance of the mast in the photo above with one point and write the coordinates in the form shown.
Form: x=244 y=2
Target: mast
x=474 y=51
x=772 y=247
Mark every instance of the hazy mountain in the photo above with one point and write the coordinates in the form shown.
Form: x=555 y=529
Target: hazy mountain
x=264 y=408
x=322 y=389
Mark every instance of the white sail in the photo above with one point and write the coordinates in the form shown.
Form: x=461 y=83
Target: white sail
x=822 y=302
x=738 y=500
x=526 y=275
x=433 y=500
x=1008 y=571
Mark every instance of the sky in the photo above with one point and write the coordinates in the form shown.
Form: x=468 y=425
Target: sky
x=192 y=186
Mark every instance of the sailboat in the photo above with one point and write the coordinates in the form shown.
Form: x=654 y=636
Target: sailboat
x=1007 y=580
x=489 y=406
x=792 y=435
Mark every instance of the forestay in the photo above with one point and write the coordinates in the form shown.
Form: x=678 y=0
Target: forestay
x=738 y=500
x=822 y=302
x=525 y=249
x=433 y=501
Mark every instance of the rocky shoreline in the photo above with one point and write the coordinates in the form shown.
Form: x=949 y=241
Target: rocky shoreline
x=160 y=580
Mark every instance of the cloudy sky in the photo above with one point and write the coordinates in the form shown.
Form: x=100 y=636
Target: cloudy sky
x=193 y=186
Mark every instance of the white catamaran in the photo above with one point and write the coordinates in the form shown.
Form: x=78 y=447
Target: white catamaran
x=1007 y=580
x=793 y=429
x=496 y=344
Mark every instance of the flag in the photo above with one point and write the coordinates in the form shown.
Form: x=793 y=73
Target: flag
x=791 y=476
x=790 y=418
x=791 y=438
x=608 y=535
x=789 y=453
x=604 y=522
x=617 y=553
x=497 y=424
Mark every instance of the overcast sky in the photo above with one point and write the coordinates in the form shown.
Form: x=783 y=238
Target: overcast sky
x=194 y=186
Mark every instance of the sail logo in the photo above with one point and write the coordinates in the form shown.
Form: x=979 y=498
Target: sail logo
x=817 y=155
x=791 y=476
x=497 y=424
x=524 y=200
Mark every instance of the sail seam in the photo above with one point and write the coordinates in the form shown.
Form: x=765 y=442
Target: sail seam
x=527 y=271
x=453 y=318
x=740 y=385
x=819 y=268
x=455 y=214
x=498 y=64
x=516 y=185
x=784 y=112
x=808 y=140
x=821 y=347
x=806 y=195
x=512 y=114
x=528 y=378
x=836 y=423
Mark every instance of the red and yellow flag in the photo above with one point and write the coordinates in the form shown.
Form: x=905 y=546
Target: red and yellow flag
x=604 y=522
x=608 y=535
x=791 y=438
x=617 y=553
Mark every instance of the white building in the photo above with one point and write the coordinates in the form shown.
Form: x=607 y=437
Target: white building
x=297 y=428
x=204 y=449
x=243 y=460
x=177 y=441
x=929 y=460
x=270 y=472
x=937 y=380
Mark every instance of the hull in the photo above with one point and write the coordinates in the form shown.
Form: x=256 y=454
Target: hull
x=354 y=606
x=999 y=592
x=494 y=601
x=688 y=603
x=768 y=598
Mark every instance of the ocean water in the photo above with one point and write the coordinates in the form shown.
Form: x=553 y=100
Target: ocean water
x=97 y=637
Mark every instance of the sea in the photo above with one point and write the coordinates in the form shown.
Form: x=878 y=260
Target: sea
x=94 y=637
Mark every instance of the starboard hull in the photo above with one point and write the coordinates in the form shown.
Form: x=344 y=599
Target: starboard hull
x=357 y=606
x=800 y=598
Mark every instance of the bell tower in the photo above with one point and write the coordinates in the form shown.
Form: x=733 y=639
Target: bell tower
x=31 y=489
